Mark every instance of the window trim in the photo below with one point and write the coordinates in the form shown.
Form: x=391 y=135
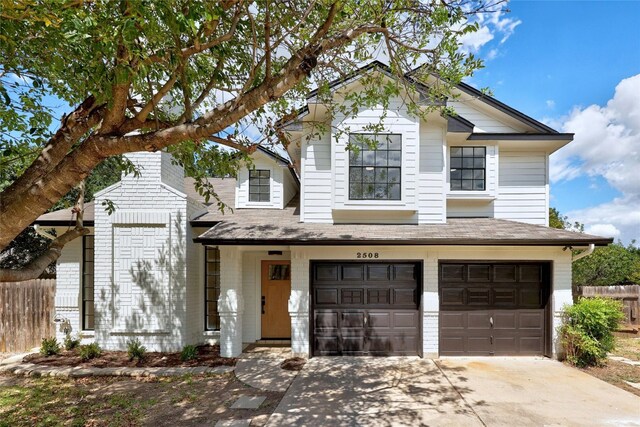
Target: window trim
x=260 y=186
x=206 y=287
x=471 y=192
x=84 y=301
x=384 y=201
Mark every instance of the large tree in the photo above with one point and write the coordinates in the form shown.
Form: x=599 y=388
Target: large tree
x=192 y=75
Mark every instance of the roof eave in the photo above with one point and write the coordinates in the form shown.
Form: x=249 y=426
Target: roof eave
x=415 y=242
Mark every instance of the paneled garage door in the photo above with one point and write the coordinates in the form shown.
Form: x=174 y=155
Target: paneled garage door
x=365 y=308
x=494 y=308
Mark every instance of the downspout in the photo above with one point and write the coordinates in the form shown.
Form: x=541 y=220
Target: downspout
x=584 y=253
x=587 y=252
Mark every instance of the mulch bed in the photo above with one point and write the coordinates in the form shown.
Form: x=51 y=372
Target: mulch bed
x=208 y=355
x=293 y=364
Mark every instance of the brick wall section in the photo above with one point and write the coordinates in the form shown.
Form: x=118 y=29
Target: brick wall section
x=124 y=302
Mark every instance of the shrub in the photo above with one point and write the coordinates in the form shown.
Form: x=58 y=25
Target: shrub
x=90 y=351
x=189 y=352
x=49 y=346
x=587 y=332
x=71 y=343
x=135 y=349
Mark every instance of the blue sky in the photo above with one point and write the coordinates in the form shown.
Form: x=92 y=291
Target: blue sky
x=575 y=65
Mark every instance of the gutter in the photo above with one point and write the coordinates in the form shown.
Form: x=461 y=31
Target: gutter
x=584 y=253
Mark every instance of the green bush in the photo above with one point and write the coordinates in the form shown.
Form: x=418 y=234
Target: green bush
x=71 y=343
x=587 y=332
x=135 y=349
x=90 y=351
x=49 y=346
x=189 y=352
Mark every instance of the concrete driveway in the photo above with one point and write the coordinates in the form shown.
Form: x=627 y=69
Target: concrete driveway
x=398 y=391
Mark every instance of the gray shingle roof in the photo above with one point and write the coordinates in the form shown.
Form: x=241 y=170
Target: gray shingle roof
x=273 y=226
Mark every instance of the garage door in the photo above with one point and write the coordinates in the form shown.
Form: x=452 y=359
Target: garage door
x=494 y=308
x=365 y=308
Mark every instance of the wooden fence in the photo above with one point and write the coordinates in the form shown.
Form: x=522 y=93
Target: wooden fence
x=629 y=295
x=26 y=314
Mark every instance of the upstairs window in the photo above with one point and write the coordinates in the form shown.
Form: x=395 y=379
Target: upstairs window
x=259 y=185
x=88 y=315
x=468 y=168
x=374 y=172
x=211 y=289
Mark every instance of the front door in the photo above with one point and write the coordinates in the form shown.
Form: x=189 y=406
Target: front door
x=276 y=288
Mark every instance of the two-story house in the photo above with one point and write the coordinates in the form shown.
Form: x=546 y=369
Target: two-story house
x=433 y=240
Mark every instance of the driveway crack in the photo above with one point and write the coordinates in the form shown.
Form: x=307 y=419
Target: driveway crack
x=459 y=394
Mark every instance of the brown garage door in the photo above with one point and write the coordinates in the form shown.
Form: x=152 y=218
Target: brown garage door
x=494 y=308
x=365 y=308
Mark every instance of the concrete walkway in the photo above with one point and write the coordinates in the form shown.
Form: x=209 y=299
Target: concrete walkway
x=404 y=391
x=259 y=367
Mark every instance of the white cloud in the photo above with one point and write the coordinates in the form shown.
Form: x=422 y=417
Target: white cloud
x=551 y=103
x=619 y=218
x=607 y=144
x=472 y=42
x=605 y=230
x=494 y=25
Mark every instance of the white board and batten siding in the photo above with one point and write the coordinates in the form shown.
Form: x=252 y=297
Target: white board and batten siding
x=523 y=190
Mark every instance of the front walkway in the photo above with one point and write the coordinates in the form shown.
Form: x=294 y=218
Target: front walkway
x=400 y=391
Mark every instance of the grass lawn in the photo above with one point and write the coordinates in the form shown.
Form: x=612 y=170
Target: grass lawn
x=617 y=373
x=122 y=401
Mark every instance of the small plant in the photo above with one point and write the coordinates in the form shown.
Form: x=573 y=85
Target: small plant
x=587 y=332
x=71 y=343
x=49 y=346
x=189 y=352
x=135 y=349
x=90 y=351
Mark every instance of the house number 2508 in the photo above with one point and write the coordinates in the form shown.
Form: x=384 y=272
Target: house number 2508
x=367 y=255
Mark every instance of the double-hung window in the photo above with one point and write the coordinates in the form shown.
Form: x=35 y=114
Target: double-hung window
x=88 y=315
x=211 y=289
x=468 y=168
x=375 y=169
x=259 y=185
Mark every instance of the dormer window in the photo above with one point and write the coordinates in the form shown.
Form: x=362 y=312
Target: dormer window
x=259 y=185
x=374 y=172
x=468 y=168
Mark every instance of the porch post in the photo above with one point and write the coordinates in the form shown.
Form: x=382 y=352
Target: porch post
x=299 y=302
x=230 y=302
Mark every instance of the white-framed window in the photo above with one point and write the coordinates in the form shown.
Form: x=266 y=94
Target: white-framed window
x=375 y=172
x=259 y=185
x=468 y=168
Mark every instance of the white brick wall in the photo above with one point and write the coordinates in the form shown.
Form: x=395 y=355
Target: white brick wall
x=141 y=286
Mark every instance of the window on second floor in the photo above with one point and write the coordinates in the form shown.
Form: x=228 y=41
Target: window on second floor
x=468 y=168
x=374 y=172
x=259 y=185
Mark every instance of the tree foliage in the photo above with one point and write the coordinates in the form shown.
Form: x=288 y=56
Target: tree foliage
x=197 y=77
x=615 y=264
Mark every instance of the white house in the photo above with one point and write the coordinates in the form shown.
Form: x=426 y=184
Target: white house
x=435 y=243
